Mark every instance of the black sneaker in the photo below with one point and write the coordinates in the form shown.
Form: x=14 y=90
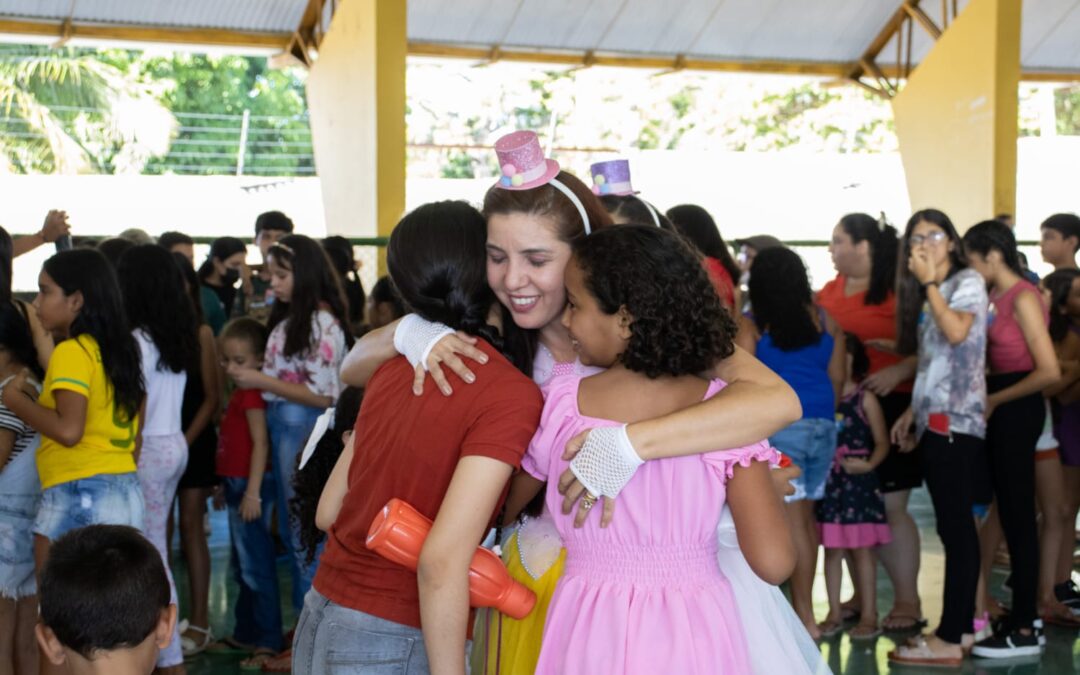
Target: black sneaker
x=1008 y=645
x=1001 y=625
x=1069 y=595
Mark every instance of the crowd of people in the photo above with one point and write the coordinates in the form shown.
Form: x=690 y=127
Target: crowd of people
x=561 y=349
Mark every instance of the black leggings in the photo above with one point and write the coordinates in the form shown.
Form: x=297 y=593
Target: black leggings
x=1011 y=435
x=947 y=465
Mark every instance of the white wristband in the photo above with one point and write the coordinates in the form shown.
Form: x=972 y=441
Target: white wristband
x=606 y=462
x=415 y=337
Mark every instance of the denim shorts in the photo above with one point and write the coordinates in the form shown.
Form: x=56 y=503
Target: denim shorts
x=335 y=640
x=105 y=499
x=17 y=545
x=811 y=444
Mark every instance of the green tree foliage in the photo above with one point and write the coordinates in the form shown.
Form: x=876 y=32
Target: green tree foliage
x=210 y=95
x=66 y=111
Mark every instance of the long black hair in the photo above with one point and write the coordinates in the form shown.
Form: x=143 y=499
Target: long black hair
x=16 y=338
x=191 y=284
x=315 y=286
x=158 y=303
x=7 y=252
x=103 y=318
x=993 y=235
x=222 y=248
x=782 y=302
x=437 y=260
x=308 y=483
x=695 y=223
x=340 y=252
x=1059 y=283
x=910 y=293
x=883 y=244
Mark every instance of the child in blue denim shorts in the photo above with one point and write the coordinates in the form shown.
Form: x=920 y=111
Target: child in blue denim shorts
x=88 y=411
x=804 y=346
x=20 y=492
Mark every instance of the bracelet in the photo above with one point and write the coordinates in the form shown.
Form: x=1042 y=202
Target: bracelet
x=254 y=499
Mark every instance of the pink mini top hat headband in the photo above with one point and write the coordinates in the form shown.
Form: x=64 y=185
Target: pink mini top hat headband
x=524 y=167
x=613 y=178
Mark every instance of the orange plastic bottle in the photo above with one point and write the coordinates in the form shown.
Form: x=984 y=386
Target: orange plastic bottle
x=397 y=533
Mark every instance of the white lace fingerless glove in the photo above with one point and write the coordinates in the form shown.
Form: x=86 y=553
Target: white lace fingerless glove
x=606 y=462
x=414 y=337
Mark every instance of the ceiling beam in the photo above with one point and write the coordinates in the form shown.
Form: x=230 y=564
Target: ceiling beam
x=215 y=37
x=592 y=58
x=490 y=54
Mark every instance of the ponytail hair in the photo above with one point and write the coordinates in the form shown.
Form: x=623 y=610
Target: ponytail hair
x=437 y=260
x=884 y=244
x=993 y=235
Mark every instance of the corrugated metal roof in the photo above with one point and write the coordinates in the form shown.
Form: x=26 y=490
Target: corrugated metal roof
x=260 y=16
x=827 y=31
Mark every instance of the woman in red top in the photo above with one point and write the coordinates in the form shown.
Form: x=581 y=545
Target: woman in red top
x=862 y=300
x=695 y=223
x=449 y=457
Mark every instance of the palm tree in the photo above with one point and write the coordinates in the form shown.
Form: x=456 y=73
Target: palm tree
x=66 y=112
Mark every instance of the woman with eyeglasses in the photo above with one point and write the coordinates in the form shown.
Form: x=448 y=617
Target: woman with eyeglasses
x=942 y=317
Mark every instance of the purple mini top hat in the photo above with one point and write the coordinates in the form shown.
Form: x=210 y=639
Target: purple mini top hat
x=612 y=178
x=522 y=162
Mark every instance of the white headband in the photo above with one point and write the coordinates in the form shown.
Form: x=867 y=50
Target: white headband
x=652 y=212
x=577 y=202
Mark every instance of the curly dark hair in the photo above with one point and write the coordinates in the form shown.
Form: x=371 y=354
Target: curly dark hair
x=308 y=483
x=781 y=299
x=679 y=326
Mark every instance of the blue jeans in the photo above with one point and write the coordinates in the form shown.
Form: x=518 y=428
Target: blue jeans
x=811 y=444
x=258 y=607
x=335 y=640
x=289 y=425
x=104 y=499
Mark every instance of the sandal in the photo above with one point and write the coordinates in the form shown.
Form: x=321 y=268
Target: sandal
x=257 y=660
x=230 y=645
x=864 y=631
x=1066 y=620
x=190 y=646
x=281 y=663
x=899 y=621
x=828 y=629
x=917 y=652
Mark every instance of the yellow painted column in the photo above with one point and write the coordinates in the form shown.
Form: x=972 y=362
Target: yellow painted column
x=356 y=96
x=956 y=118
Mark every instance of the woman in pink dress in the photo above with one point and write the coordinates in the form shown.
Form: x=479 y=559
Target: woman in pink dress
x=645 y=593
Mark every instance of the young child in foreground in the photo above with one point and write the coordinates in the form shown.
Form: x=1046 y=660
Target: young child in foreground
x=645 y=594
x=104 y=602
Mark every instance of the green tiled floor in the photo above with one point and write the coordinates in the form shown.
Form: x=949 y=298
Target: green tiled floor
x=1062 y=656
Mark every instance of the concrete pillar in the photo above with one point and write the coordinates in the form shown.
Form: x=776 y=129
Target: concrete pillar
x=356 y=96
x=956 y=118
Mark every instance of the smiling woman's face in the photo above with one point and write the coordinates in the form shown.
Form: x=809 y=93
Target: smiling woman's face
x=525 y=265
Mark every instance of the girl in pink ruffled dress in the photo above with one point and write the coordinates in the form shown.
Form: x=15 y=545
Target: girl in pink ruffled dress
x=645 y=594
